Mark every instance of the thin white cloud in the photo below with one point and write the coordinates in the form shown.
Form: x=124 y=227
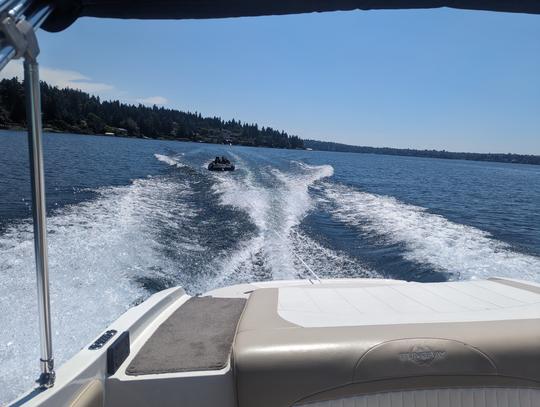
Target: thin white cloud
x=59 y=77
x=153 y=100
x=64 y=78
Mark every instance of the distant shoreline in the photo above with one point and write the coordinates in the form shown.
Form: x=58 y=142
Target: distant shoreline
x=508 y=158
x=316 y=145
x=76 y=112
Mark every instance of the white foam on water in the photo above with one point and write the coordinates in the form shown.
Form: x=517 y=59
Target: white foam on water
x=295 y=197
x=97 y=251
x=464 y=251
x=172 y=161
x=252 y=261
x=327 y=263
x=277 y=208
x=238 y=266
x=243 y=193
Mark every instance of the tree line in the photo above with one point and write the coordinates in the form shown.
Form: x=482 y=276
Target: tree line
x=495 y=157
x=74 y=111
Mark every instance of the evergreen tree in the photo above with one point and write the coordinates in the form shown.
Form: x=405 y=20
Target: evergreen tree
x=75 y=111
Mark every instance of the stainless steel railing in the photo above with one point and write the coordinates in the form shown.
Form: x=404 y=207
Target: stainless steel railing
x=15 y=10
x=18 y=40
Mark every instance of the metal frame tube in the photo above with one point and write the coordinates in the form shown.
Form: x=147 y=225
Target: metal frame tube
x=7 y=51
x=18 y=39
x=6 y=54
x=7 y=5
x=35 y=146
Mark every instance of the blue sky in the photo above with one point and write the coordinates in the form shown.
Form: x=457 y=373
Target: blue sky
x=443 y=79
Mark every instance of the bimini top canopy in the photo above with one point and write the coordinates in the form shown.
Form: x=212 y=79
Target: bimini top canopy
x=67 y=11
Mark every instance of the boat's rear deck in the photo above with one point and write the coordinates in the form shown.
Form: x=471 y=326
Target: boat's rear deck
x=325 y=342
x=338 y=343
x=197 y=336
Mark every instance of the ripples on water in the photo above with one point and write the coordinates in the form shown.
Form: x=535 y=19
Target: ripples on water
x=131 y=217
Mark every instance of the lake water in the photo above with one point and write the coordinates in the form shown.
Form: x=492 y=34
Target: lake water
x=129 y=217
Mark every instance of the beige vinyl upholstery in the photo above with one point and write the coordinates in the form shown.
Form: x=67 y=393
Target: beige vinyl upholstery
x=279 y=363
x=477 y=397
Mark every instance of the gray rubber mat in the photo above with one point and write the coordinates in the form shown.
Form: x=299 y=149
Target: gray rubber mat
x=198 y=336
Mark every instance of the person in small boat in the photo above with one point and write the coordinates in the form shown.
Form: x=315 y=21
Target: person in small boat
x=221 y=160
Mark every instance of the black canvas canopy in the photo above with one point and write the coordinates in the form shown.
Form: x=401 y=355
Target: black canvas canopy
x=67 y=11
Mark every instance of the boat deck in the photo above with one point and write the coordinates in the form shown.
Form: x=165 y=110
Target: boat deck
x=198 y=336
x=333 y=343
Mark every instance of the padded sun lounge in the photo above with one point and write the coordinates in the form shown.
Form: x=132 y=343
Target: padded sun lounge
x=350 y=345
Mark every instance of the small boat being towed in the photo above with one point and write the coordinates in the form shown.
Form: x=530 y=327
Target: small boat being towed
x=221 y=164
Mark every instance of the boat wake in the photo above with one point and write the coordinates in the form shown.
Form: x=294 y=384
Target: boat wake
x=100 y=254
x=463 y=251
x=173 y=161
x=277 y=202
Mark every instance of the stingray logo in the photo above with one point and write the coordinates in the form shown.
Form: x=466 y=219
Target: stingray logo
x=422 y=355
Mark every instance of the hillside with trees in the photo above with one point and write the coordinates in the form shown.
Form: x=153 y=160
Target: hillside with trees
x=346 y=148
x=74 y=111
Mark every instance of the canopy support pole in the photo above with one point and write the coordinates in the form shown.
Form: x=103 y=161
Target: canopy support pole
x=39 y=212
x=18 y=40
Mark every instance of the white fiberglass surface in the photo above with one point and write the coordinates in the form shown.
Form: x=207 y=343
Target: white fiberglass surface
x=407 y=303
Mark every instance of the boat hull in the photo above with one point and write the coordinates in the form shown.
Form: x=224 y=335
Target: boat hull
x=309 y=338
x=220 y=167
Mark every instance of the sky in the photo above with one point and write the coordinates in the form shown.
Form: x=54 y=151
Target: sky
x=428 y=79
